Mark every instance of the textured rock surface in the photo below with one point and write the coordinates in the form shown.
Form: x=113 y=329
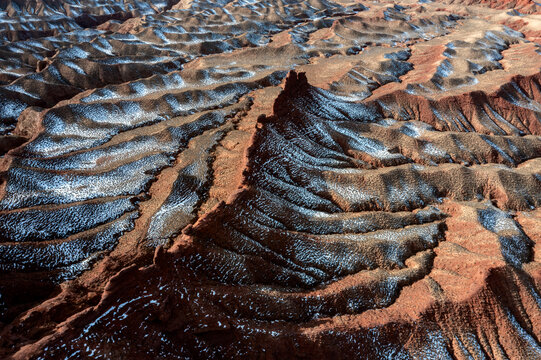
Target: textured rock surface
x=282 y=179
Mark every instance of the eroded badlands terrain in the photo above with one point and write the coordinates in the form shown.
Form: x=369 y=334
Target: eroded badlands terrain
x=270 y=179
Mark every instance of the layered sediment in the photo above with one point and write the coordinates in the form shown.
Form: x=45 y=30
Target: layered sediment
x=293 y=179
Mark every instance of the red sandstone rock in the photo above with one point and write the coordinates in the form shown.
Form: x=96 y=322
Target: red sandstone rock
x=169 y=188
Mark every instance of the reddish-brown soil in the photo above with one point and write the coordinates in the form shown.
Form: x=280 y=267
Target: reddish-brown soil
x=270 y=179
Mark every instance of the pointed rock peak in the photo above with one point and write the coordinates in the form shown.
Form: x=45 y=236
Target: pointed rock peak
x=295 y=81
x=295 y=85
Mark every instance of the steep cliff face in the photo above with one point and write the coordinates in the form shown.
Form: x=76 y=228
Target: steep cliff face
x=299 y=179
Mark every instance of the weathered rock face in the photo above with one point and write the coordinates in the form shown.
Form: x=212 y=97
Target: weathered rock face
x=298 y=179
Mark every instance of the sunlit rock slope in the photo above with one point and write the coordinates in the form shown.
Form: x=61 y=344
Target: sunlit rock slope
x=281 y=179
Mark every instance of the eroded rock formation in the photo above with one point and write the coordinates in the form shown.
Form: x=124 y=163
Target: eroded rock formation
x=283 y=179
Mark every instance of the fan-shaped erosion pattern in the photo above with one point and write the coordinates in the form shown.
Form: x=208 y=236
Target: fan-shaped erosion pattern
x=281 y=179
